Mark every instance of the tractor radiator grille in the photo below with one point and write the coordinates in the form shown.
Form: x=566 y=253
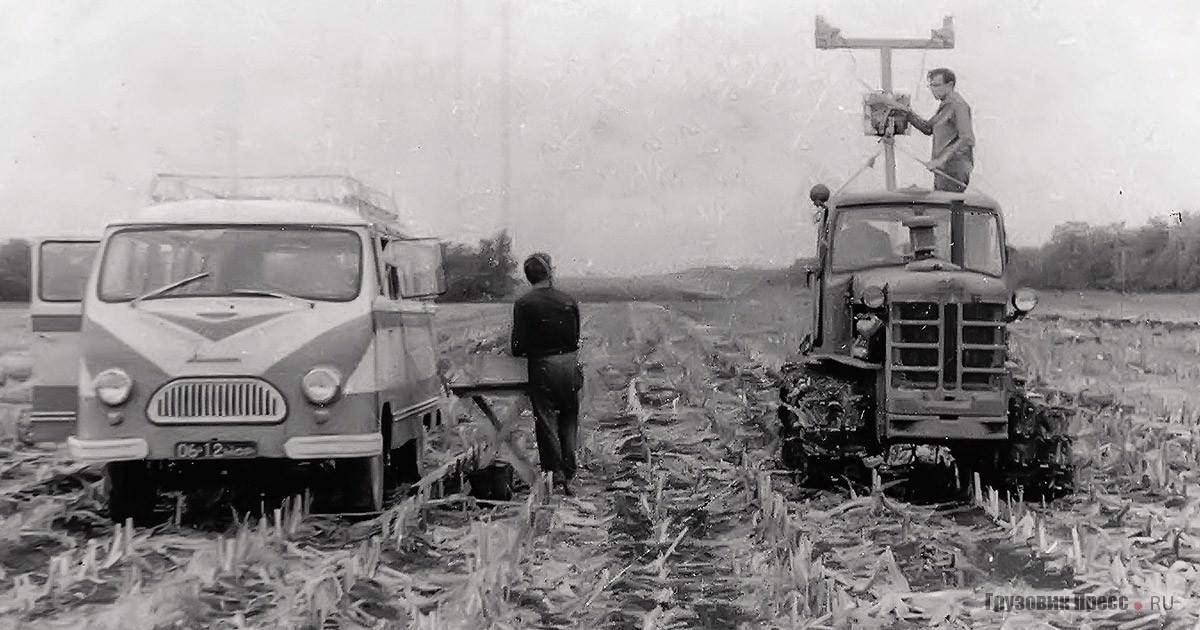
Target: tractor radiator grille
x=226 y=400
x=983 y=346
x=955 y=346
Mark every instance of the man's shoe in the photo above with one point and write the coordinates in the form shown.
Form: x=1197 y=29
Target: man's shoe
x=566 y=485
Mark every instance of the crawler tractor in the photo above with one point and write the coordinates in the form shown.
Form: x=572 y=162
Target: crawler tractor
x=912 y=294
x=911 y=297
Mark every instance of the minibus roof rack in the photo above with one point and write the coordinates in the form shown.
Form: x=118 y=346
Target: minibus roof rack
x=374 y=205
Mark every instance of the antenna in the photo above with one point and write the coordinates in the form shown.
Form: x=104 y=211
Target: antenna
x=506 y=10
x=881 y=121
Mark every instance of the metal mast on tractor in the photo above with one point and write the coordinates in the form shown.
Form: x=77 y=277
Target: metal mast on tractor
x=880 y=120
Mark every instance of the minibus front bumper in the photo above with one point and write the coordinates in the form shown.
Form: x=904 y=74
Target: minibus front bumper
x=301 y=447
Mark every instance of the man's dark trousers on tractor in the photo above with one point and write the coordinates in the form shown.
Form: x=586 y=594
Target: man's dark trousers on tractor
x=554 y=384
x=959 y=170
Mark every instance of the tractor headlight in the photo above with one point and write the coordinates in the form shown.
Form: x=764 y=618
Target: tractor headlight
x=113 y=386
x=322 y=385
x=873 y=297
x=1024 y=300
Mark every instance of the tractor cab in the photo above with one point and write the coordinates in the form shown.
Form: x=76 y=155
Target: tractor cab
x=886 y=248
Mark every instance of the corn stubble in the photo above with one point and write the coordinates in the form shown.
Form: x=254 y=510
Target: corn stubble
x=686 y=402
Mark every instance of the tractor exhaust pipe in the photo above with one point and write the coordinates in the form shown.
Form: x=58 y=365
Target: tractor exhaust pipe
x=921 y=236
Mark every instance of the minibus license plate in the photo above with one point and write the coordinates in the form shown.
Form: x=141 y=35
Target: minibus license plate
x=215 y=450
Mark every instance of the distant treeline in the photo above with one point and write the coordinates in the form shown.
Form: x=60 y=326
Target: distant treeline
x=484 y=272
x=15 y=270
x=1161 y=256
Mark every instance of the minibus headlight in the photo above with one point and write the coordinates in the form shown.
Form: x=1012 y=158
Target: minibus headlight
x=113 y=386
x=322 y=385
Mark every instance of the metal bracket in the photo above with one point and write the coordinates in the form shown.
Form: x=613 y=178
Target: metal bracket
x=826 y=37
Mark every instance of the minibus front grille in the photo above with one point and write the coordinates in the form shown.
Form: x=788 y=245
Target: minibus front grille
x=224 y=400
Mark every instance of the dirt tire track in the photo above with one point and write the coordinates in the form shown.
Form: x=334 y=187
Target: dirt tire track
x=653 y=471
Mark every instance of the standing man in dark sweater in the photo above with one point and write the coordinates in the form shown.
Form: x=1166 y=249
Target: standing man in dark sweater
x=952 y=131
x=546 y=332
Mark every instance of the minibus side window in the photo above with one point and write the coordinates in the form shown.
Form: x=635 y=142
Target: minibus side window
x=64 y=267
x=389 y=285
x=418 y=264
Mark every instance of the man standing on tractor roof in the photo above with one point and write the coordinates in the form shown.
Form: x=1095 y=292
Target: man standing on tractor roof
x=546 y=332
x=953 y=137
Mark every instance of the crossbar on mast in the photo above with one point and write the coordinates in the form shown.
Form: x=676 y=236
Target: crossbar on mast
x=828 y=37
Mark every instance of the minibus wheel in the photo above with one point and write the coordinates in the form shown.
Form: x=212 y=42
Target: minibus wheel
x=131 y=491
x=364 y=479
x=409 y=460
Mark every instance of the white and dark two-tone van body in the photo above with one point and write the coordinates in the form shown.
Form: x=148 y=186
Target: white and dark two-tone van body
x=263 y=320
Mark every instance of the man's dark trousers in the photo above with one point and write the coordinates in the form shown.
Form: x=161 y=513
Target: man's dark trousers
x=554 y=384
x=958 y=170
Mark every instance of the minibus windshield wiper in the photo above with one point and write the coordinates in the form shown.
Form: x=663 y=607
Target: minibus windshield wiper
x=276 y=294
x=170 y=287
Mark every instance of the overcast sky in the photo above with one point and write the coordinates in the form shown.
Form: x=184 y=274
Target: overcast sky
x=1084 y=110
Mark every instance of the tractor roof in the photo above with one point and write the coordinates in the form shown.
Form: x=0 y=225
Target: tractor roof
x=912 y=194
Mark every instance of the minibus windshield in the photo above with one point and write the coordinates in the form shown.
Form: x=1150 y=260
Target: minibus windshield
x=323 y=264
